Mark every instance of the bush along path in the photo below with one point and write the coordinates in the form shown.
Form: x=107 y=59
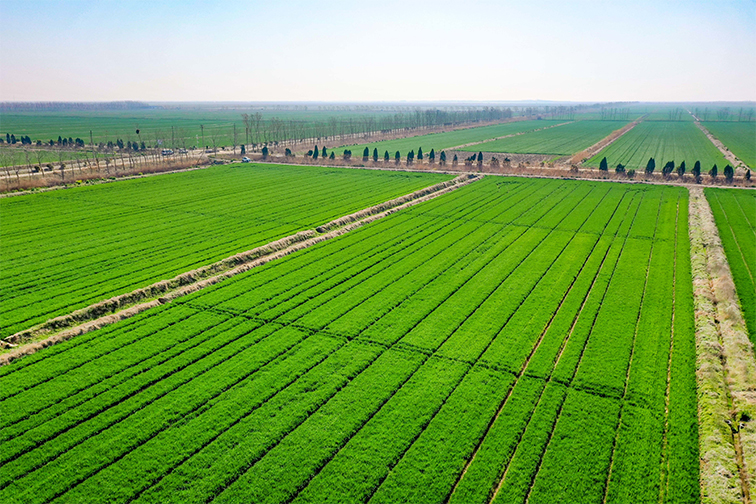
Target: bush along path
x=726 y=370
x=127 y=305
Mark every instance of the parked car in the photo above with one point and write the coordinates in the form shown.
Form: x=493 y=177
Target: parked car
x=245 y=159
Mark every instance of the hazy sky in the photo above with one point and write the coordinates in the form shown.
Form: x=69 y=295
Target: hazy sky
x=377 y=50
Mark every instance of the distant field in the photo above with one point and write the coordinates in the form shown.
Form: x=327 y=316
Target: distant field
x=173 y=127
x=669 y=114
x=739 y=137
x=563 y=140
x=735 y=213
x=516 y=340
x=664 y=141
x=442 y=141
x=154 y=124
x=63 y=250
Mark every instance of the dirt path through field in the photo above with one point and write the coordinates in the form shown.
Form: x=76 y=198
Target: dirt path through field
x=127 y=305
x=726 y=369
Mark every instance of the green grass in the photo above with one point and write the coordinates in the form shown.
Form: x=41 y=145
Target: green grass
x=739 y=137
x=735 y=214
x=515 y=335
x=63 y=250
x=562 y=140
x=664 y=141
x=443 y=141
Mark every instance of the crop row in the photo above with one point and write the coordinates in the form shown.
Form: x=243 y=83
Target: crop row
x=564 y=140
x=572 y=467
x=270 y=471
x=664 y=141
x=86 y=373
x=65 y=249
x=735 y=214
x=631 y=454
x=405 y=361
x=441 y=141
x=738 y=137
x=489 y=474
x=282 y=283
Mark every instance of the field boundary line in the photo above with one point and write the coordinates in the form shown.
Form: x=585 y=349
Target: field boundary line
x=398 y=346
x=478 y=361
x=568 y=384
x=458 y=147
x=726 y=373
x=193 y=412
x=432 y=353
x=524 y=366
x=125 y=417
x=111 y=310
x=129 y=396
x=745 y=216
x=605 y=142
x=156 y=289
x=303 y=328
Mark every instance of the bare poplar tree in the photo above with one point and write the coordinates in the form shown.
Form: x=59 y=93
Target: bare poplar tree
x=235 y=139
x=39 y=154
x=245 y=120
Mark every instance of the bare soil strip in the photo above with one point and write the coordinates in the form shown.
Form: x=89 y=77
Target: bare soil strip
x=729 y=156
x=726 y=369
x=127 y=305
x=603 y=143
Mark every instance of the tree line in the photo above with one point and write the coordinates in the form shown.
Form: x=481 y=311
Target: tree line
x=669 y=168
x=274 y=131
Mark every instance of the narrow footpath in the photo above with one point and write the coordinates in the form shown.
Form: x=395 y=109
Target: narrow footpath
x=726 y=369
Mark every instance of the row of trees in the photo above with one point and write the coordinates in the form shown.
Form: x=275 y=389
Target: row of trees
x=669 y=167
x=323 y=153
x=11 y=139
x=725 y=114
x=275 y=131
x=257 y=130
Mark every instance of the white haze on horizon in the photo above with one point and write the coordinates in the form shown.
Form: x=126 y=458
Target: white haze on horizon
x=369 y=51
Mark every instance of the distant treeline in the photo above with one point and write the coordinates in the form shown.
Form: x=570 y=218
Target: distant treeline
x=615 y=114
x=725 y=114
x=258 y=130
x=50 y=106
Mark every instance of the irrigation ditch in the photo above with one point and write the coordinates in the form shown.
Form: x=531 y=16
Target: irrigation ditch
x=127 y=305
